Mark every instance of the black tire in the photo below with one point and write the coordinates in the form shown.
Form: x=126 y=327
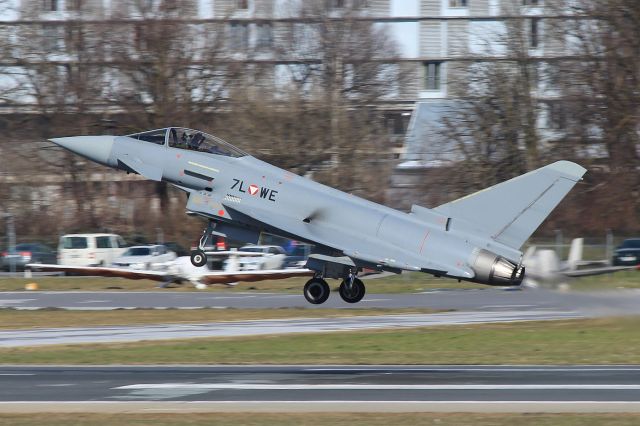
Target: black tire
x=356 y=294
x=198 y=258
x=316 y=291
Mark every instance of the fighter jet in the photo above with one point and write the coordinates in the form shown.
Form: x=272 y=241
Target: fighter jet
x=475 y=238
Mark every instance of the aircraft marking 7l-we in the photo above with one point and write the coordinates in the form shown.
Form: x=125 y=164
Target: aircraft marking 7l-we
x=475 y=238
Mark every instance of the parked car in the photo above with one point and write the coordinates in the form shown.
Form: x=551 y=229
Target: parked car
x=267 y=257
x=26 y=253
x=628 y=253
x=144 y=257
x=176 y=248
x=90 y=249
x=298 y=255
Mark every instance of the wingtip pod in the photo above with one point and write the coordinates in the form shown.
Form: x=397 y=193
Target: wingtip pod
x=569 y=169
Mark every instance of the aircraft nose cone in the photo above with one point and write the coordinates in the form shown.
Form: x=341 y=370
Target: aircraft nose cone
x=95 y=148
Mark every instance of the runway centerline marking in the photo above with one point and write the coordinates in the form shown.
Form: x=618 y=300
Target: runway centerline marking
x=17 y=374
x=506 y=306
x=55 y=385
x=12 y=301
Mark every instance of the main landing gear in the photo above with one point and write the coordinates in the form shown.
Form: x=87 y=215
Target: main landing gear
x=316 y=291
x=351 y=290
x=198 y=256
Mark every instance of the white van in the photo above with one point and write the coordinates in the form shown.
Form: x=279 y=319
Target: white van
x=90 y=249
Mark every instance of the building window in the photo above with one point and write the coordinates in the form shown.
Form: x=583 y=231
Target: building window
x=141 y=37
x=397 y=123
x=432 y=75
x=51 y=5
x=243 y=4
x=534 y=32
x=239 y=35
x=336 y=4
x=531 y=2
x=552 y=75
x=556 y=117
x=458 y=3
x=52 y=38
x=169 y=6
x=264 y=36
x=74 y=5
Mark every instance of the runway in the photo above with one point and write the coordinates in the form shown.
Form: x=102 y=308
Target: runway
x=130 y=333
x=321 y=388
x=587 y=303
x=470 y=306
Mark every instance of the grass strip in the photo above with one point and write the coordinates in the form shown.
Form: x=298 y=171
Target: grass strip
x=404 y=283
x=590 y=341
x=313 y=419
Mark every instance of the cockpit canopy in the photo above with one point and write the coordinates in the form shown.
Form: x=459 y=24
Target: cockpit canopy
x=189 y=139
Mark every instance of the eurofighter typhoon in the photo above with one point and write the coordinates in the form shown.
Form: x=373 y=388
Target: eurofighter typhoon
x=475 y=238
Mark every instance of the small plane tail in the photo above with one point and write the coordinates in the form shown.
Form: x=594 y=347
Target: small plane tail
x=511 y=211
x=575 y=253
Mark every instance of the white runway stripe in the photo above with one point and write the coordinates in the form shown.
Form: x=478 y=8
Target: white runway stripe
x=260 y=386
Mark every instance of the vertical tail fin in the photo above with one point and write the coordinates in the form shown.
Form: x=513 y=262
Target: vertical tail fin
x=511 y=211
x=575 y=253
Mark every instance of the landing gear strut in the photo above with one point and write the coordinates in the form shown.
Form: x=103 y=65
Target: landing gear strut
x=352 y=289
x=316 y=290
x=198 y=256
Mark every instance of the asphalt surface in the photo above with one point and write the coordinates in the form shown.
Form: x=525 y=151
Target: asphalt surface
x=469 y=306
x=131 y=333
x=587 y=303
x=318 y=388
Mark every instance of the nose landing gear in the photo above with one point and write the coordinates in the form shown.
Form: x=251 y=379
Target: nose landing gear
x=198 y=256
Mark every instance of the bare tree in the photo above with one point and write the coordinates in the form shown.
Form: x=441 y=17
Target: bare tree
x=57 y=66
x=494 y=121
x=602 y=90
x=321 y=113
x=166 y=71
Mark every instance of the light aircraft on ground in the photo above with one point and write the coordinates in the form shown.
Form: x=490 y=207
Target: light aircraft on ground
x=182 y=270
x=544 y=267
x=476 y=238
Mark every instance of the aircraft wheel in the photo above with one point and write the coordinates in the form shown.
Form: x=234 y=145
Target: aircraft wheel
x=198 y=258
x=357 y=291
x=316 y=291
